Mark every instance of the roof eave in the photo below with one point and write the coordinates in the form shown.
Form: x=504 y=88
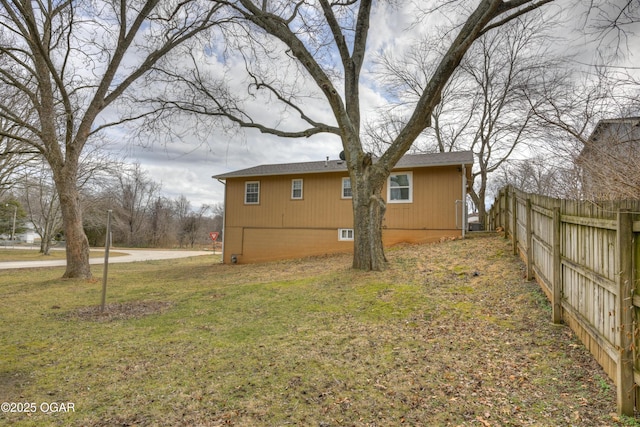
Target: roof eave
x=457 y=162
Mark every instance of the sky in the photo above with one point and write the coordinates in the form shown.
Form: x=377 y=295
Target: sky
x=187 y=167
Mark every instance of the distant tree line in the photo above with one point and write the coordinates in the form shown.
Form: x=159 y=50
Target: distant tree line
x=141 y=215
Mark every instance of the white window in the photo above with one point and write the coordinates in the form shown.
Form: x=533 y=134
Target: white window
x=296 y=189
x=346 y=188
x=252 y=192
x=400 y=188
x=345 y=234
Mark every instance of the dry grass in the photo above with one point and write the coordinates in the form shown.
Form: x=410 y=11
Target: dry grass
x=450 y=334
x=31 y=254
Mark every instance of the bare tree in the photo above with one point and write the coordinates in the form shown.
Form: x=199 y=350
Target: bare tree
x=613 y=21
x=14 y=154
x=546 y=175
x=71 y=60
x=191 y=227
x=506 y=64
x=570 y=105
x=217 y=223
x=483 y=107
x=11 y=160
x=162 y=223
x=134 y=197
x=42 y=204
x=573 y=100
x=296 y=50
x=182 y=210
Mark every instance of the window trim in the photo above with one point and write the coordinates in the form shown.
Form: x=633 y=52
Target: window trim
x=246 y=193
x=342 y=196
x=410 y=187
x=293 y=182
x=341 y=236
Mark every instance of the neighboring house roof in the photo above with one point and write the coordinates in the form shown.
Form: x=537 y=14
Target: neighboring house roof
x=611 y=139
x=610 y=159
x=626 y=129
x=408 y=161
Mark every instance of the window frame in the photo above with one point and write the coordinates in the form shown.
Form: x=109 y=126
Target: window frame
x=342 y=196
x=347 y=238
x=293 y=189
x=409 y=175
x=246 y=193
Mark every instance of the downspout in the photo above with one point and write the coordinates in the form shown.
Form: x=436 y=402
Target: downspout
x=224 y=217
x=464 y=201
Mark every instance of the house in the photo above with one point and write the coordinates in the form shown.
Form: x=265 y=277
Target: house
x=300 y=209
x=26 y=233
x=610 y=160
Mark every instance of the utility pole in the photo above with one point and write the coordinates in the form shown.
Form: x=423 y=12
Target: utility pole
x=107 y=246
x=15 y=214
x=13 y=227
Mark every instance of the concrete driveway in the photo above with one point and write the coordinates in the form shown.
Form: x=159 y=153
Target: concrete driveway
x=133 y=255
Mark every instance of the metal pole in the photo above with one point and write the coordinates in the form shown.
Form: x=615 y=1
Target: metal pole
x=464 y=201
x=13 y=228
x=105 y=271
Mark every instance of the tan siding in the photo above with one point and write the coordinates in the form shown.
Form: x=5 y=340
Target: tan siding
x=435 y=191
x=232 y=242
x=280 y=227
x=272 y=244
x=321 y=206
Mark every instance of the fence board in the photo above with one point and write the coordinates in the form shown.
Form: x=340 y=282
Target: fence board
x=583 y=254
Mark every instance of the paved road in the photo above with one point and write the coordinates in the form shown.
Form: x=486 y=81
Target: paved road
x=133 y=255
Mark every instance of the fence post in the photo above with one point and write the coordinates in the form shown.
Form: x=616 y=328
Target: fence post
x=556 y=282
x=529 y=228
x=503 y=196
x=514 y=220
x=624 y=282
x=504 y=207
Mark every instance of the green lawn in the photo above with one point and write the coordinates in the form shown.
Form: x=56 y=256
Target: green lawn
x=450 y=334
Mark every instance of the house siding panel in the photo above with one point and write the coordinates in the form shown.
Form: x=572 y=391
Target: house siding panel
x=321 y=204
x=434 y=201
x=268 y=244
x=280 y=227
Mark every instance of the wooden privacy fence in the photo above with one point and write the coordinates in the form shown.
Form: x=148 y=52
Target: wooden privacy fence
x=584 y=256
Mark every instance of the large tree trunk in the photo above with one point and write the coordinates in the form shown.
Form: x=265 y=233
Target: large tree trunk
x=76 y=240
x=45 y=242
x=368 y=212
x=478 y=198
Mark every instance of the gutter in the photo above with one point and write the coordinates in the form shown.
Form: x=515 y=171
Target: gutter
x=224 y=216
x=464 y=200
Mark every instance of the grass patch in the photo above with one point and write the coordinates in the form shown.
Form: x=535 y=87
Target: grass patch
x=15 y=255
x=448 y=335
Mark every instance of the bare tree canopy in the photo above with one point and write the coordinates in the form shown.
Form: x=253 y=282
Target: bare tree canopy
x=613 y=21
x=14 y=154
x=483 y=108
x=70 y=61
x=294 y=52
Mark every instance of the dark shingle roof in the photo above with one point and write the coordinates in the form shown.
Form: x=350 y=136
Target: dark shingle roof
x=408 y=161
